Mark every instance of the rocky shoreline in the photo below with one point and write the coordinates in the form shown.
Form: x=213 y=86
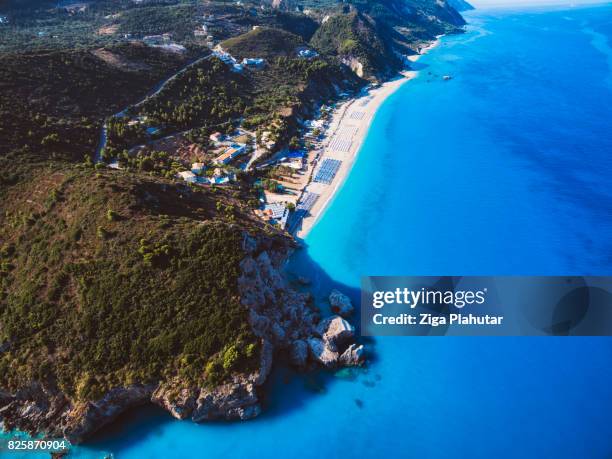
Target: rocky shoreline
x=287 y=322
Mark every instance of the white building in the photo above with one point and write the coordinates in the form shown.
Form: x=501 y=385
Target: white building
x=188 y=176
x=197 y=168
x=216 y=137
x=253 y=62
x=307 y=53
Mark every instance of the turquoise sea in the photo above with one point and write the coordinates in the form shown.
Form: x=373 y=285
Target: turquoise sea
x=505 y=169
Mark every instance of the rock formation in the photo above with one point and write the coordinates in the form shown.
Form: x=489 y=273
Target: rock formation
x=340 y=303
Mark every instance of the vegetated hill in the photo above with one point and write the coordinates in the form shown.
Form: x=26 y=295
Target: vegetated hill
x=208 y=93
x=406 y=23
x=42 y=26
x=372 y=35
x=438 y=12
x=460 y=5
x=178 y=20
x=296 y=23
x=290 y=89
x=209 y=96
x=10 y=5
x=354 y=38
x=53 y=102
x=263 y=42
x=109 y=279
x=89 y=24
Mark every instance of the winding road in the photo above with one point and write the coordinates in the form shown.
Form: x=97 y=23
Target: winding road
x=154 y=92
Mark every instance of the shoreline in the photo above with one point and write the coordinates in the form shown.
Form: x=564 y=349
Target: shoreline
x=343 y=139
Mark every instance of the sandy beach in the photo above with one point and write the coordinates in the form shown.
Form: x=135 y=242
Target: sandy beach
x=345 y=135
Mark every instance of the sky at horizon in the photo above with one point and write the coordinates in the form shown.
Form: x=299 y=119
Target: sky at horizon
x=496 y=3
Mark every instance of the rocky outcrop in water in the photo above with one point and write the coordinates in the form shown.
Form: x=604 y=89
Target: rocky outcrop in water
x=40 y=409
x=235 y=400
x=289 y=326
x=353 y=356
x=290 y=321
x=336 y=336
x=340 y=303
x=336 y=331
x=86 y=417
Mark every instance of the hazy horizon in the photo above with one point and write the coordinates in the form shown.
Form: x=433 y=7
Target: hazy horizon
x=496 y=3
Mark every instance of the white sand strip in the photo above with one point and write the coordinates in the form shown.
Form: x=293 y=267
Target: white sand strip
x=337 y=145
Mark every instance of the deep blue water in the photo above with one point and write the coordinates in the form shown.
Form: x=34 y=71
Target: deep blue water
x=505 y=169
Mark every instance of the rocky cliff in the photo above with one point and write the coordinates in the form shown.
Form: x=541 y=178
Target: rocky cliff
x=373 y=37
x=290 y=321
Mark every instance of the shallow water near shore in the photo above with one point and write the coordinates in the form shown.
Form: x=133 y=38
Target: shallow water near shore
x=504 y=169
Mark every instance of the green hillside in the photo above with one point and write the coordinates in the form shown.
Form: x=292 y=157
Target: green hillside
x=354 y=36
x=107 y=279
x=264 y=43
x=52 y=103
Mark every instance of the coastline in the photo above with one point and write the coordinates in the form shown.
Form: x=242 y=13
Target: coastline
x=349 y=125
